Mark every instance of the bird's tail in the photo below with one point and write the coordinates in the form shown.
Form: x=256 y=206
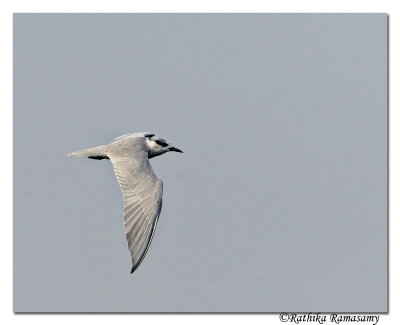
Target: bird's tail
x=94 y=153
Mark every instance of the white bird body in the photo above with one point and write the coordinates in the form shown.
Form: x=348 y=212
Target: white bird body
x=141 y=188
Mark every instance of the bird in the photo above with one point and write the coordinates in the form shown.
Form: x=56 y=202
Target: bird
x=141 y=188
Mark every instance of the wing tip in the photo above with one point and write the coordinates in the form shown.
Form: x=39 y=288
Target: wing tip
x=134 y=268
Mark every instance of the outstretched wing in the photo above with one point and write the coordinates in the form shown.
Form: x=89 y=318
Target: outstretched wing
x=134 y=135
x=142 y=194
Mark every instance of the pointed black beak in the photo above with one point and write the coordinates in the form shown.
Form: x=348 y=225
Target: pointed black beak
x=175 y=149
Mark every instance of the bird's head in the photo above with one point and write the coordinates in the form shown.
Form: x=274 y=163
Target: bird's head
x=157 y=146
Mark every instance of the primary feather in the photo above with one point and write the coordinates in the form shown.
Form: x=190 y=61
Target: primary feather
x=142 y=193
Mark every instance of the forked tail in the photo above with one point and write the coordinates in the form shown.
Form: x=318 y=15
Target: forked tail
x=93 y=153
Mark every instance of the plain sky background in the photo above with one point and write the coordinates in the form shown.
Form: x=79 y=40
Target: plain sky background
x=279 y=202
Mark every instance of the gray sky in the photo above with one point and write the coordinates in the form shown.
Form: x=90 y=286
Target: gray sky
x=277 y=204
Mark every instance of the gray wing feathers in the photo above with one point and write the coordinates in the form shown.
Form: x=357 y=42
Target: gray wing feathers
x=142 y=194
x=134 y=135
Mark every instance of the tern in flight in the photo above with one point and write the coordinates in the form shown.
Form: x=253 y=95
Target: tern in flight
x=141 y=188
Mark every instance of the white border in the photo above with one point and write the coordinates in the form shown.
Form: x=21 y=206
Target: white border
x=8 y=7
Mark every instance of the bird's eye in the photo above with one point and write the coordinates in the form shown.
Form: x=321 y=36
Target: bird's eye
x=163 y=144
